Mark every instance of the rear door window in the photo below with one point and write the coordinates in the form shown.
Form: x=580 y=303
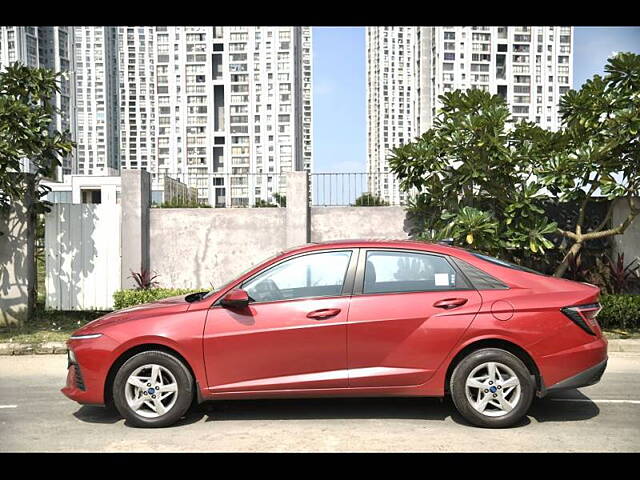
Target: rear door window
x=388 y=271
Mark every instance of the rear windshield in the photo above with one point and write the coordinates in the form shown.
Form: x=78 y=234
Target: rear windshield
x=504 y=263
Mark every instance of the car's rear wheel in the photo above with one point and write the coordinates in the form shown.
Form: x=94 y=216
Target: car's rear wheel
x=153 y=389
x=492 y=388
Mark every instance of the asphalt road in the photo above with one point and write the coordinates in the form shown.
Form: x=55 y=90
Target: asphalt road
x=36 y=417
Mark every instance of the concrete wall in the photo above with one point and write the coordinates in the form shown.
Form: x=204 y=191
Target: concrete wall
x=339 y=223
x=14 y=266
x=204 y=247
x=200 y=247
x=629 y=243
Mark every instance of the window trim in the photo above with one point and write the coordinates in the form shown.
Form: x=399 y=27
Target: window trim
x=347 y=284
x=362 y=261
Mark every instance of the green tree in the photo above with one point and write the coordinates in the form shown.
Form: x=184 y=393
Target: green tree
x=260 y=203
x=26 y=133
x=471 y=177
x=600 y=151
x=485 y=184
x=281 y=200
x=26 y=113
x=369 y=200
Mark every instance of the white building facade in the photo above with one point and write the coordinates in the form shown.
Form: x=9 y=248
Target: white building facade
x=220 y=108
x=137 y=103
x=233 y=107
x=96 y=100
x=531 y=67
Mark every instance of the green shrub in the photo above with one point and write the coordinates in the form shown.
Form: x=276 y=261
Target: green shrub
x=129 y=298
x=620 y=311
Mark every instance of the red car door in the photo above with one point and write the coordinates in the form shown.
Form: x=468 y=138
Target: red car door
x=293 y=335
x=408 y=311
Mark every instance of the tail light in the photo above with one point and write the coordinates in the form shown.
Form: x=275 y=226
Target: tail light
x=584 y=316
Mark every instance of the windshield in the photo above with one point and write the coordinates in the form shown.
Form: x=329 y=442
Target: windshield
x=503 y=263
x=240 y=275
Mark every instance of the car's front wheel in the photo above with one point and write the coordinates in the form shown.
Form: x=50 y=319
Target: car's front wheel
x=153 y=389
x=492 y=388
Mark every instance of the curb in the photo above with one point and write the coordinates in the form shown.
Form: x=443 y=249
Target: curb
x=631 y=345
x=32 y=348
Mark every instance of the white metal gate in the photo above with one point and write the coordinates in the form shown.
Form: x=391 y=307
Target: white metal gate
x=82 y=245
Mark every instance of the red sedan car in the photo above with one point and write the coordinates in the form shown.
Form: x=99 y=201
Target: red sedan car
x=350 y=318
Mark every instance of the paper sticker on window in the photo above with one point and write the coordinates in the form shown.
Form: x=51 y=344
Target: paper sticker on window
x=442 y=279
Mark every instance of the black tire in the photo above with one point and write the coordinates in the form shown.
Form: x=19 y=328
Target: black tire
x=183 y=378
x=457 y=387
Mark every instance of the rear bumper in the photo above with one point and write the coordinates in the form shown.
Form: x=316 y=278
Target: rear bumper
x=575 y=367
x=590 y=376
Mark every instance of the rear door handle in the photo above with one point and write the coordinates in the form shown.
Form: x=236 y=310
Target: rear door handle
x=449 y=303
x=323 y=313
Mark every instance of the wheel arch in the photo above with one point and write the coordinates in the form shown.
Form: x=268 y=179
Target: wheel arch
x=127 y=354
x=502 y=344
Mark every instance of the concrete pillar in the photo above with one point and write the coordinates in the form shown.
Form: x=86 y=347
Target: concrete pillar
x=135 y=201
x=298 y=219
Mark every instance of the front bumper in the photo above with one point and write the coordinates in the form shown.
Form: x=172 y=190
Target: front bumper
x=87 y=374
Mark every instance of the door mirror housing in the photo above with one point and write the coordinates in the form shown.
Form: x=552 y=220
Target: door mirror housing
x=235 y=299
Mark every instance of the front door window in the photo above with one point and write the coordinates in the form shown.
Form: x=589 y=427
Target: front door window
x=305 y=276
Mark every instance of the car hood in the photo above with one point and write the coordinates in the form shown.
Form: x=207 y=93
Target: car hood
x=161 y=307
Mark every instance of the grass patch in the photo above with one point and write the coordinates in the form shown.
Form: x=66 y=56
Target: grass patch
x=47 y=326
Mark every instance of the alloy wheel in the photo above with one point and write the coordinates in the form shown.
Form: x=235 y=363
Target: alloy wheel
x=151 y=390
x=493 y=389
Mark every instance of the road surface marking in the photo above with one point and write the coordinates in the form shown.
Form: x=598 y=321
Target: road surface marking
x=8 y=406
x=635 y=402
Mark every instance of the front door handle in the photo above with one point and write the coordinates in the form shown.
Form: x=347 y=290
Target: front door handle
x=449 y=303
x=323 y=313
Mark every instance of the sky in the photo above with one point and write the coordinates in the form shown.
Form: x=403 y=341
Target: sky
x=339 y=87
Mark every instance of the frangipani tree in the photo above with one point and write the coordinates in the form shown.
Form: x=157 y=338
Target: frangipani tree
x=473 y=174
x=599 y=151
x=484 y=181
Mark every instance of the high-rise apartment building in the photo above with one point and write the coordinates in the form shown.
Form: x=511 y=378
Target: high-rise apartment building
x=212 y=106
x=19 y=44
x=231 y=102
x=47 y=47
x=96 y=100
x=531 y=67
x=391 y=97
x=137 y=102
x=224 y=109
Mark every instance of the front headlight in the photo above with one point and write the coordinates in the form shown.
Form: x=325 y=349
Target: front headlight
x=85 y=337
x=71 y=357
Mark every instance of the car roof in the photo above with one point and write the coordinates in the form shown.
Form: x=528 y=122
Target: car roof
x=373 y=243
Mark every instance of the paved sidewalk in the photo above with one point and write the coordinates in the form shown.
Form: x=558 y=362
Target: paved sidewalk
x=630 y=345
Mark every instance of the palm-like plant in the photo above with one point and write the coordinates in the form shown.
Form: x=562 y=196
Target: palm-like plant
x=622 y=278
x=144 y=280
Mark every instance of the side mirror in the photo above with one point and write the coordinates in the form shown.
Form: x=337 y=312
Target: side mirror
x=235 y=299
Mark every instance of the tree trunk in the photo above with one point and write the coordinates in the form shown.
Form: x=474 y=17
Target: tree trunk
x=562 y=268
x=30 y=196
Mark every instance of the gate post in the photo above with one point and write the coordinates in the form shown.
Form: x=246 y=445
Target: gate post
x=298 y=216
x=135 y=195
